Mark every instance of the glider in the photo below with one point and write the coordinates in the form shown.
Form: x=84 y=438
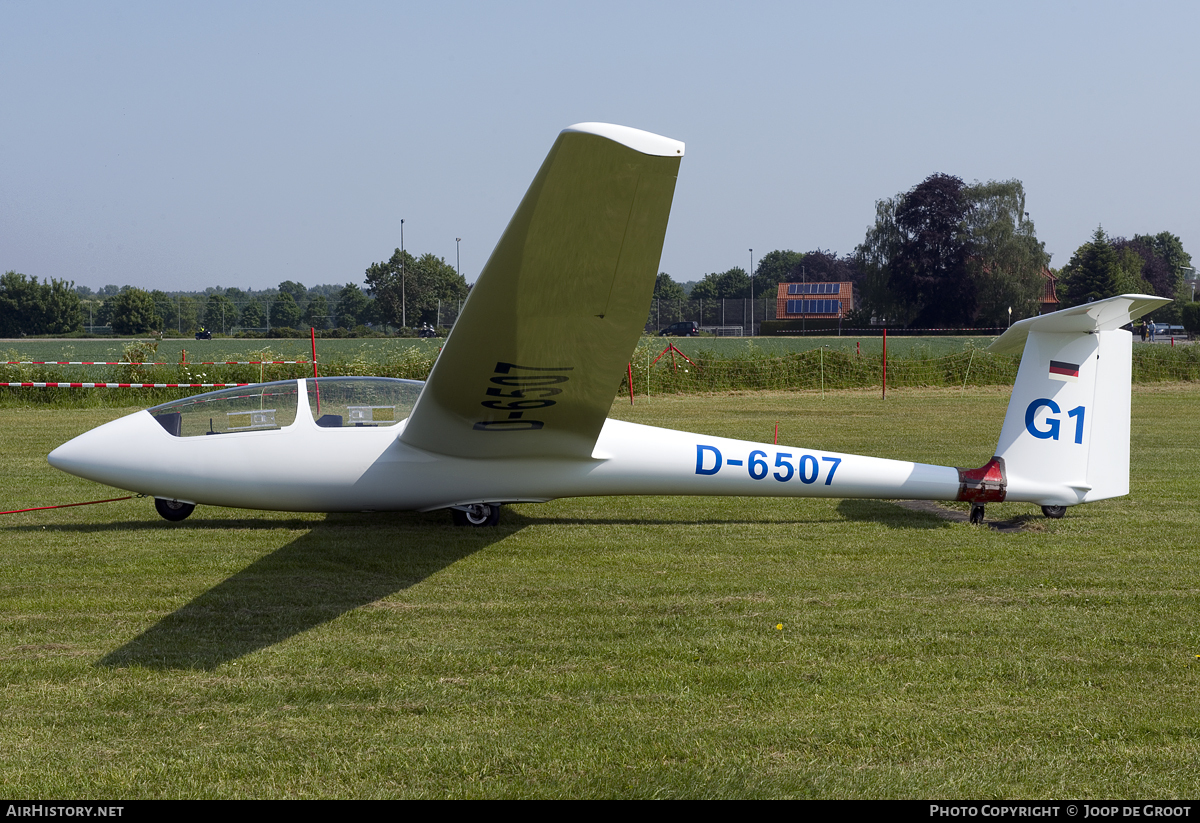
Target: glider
x=514 y=408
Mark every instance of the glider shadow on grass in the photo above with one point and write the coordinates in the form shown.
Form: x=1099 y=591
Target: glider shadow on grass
x=335 y=568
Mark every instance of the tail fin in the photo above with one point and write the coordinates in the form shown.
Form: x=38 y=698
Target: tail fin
x=1065 y=438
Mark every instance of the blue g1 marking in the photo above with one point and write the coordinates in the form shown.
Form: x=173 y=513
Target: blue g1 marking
x=807 y=469
x=1052 y=423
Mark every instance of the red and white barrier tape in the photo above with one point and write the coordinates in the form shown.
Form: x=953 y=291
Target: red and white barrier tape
x=131 y=363
x=123 y=385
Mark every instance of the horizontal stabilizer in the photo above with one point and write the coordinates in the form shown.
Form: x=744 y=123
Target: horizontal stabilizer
x=1102 y=315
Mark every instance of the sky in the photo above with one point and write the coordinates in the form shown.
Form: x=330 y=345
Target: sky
x=179 y=146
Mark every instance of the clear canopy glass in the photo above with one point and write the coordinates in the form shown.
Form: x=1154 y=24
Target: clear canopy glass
x=336 y=402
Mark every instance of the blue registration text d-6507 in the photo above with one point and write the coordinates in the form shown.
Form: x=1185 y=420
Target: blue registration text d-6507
x=806 y=468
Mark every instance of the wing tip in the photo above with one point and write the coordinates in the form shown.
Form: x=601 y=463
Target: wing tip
x=642 y=141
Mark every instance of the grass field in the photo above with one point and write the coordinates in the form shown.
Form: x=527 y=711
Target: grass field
x=642 y=647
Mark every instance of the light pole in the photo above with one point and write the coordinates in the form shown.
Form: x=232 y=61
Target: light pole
x=751 y=292
x=403 y=296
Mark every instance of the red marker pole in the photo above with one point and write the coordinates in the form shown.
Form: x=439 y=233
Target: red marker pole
x=316 y=387
x=631 y=382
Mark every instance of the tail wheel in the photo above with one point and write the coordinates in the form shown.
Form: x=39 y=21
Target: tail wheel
x=173 y=510
x=977 y=511
x=477 y=514
x=1054 y=512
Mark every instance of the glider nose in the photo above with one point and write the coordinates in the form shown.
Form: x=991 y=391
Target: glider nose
x=78 y=455
x=106 y=454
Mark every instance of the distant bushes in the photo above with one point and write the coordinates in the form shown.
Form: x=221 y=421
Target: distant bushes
x=747 y=369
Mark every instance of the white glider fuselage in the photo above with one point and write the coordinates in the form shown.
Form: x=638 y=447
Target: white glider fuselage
x=304 y=467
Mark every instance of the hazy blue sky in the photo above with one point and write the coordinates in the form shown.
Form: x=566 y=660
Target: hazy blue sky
x=178 y=146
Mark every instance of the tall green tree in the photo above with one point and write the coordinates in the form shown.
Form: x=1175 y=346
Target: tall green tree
x=253 y=316
x=732 y=284
x=877 y=301
x=189 y=313
x=164 y=307
x=316 y=313
x=930 y=267
x=948 y=254
x=353 y=307
x=133 y=312
x=220 y=313
x=775 y=267
x=1155 y=264
x=1092 y=273
x=30 y=307
x=285 y=314
x=407 y=290
x=297 y=291
x=667 y=289
x=1007 y=259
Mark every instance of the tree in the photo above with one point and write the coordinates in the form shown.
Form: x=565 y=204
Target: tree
x=1132 y=262
x=316 y=313
x=164 y=307
x=1092 y=273
x=285 y=314
x=1190 y=316
x=1008 y=260
x=667 y=289
x=732 y=284
x=297 y=290
x=946 y=254
x=777 y=267
x=189 y=313
x=253 y=316
x=1168 y=277
x=133 y=312
x=220 y=313
x=353 y=307
x=930 y=266
x=1154 y=264
x=408 y=290
x=873 y=257
x=29 y=307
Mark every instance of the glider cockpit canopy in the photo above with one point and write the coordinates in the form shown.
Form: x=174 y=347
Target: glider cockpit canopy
x=334 y=402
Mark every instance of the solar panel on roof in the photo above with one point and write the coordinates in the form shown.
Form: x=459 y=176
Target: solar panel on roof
x=814 y=288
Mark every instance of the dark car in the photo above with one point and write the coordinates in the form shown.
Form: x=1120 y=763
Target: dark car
x=685 y=328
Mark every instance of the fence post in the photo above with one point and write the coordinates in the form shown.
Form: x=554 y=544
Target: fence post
x=885 y=363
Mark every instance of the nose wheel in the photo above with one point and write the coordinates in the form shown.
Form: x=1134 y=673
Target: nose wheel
x=173 y=510
x=477 y=514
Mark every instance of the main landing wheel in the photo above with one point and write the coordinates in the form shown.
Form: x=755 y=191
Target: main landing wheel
x=173 y=510
x=1054 y=512
x=976 y=514
x=477 y=514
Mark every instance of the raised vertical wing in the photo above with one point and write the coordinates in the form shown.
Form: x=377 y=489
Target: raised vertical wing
x=539 y=350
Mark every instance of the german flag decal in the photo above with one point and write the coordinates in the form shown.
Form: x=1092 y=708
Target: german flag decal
x=1066 y=372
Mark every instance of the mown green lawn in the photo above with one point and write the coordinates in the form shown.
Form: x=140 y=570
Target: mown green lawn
x=648 y=647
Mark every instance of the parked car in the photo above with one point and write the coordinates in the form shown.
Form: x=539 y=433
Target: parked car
x=685 y=328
